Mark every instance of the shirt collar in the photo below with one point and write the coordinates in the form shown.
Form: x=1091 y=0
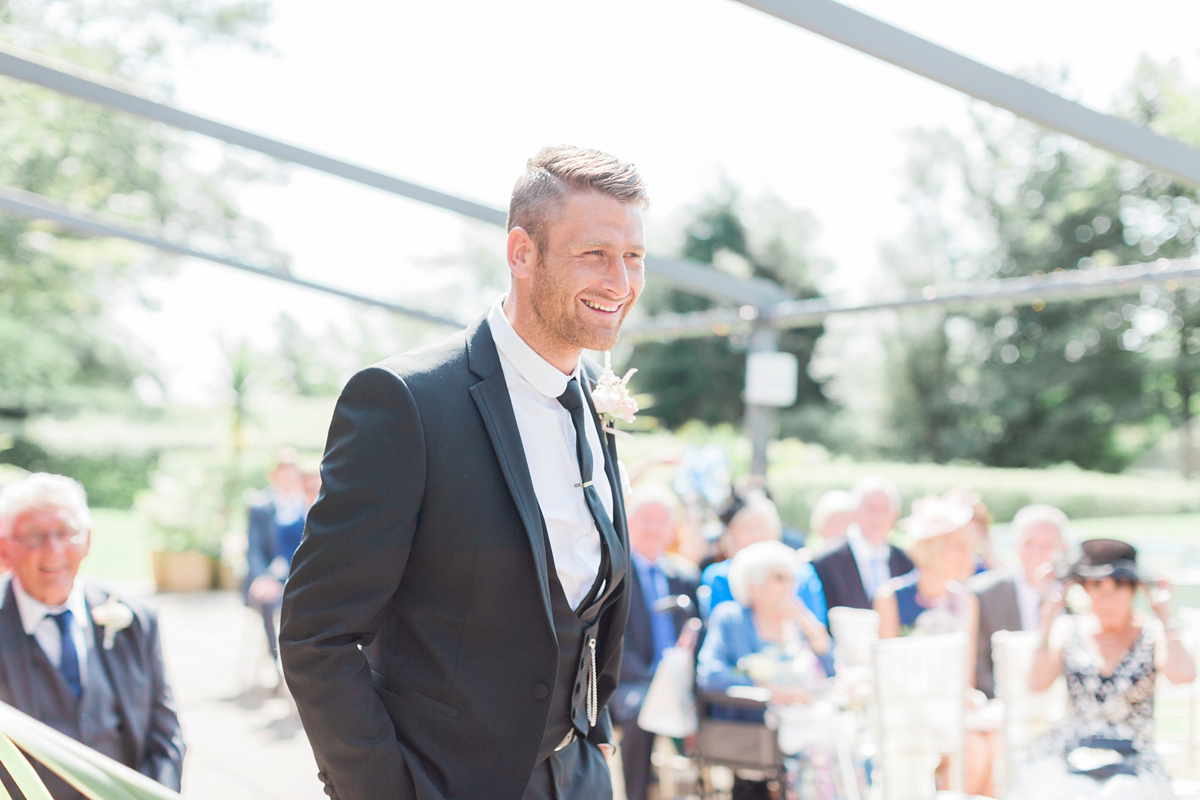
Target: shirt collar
x=33 y=611
x=539 y=373
x=641 y=561
x=863 y=550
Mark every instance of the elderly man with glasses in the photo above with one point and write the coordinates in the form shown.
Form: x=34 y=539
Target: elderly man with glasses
x=71 y=654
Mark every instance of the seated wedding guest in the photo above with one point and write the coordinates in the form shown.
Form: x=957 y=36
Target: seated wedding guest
x=980 y=526
x=766 y=637
x=1009 y=600
x=73 y=655
x=653 y=514
x=851 y=573
x=276 y=525
x=1110 y=658
x=832 y=516
x=751 y=519
x=931 y=599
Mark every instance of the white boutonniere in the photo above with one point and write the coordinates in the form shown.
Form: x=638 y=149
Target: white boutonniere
x=611 y=397
x=114 y=616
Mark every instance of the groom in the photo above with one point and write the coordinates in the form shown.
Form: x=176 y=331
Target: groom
x=452 y=624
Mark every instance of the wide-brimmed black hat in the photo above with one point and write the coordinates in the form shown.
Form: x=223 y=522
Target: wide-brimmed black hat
x=1096 y=559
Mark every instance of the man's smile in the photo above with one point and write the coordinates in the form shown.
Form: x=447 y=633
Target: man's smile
x=606 y=308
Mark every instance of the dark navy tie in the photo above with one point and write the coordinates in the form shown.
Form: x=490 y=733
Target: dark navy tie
x=69 y=665
x=611 y=560
x=662 y=624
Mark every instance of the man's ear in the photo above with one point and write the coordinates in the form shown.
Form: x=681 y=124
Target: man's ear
x=522 y=253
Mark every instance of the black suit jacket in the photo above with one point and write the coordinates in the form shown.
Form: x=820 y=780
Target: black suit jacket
x=417 y=637
x=841 y=580
x=998 y=611
x=639 y=637
x=134 y=667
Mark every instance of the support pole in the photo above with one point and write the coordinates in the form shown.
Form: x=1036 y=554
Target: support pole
x=760 y=419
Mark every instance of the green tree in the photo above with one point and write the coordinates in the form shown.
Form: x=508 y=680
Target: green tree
x=702 y=379
x=59 y=350
x=1093 y=381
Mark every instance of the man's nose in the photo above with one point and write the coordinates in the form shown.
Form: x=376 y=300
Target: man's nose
x=616 y=276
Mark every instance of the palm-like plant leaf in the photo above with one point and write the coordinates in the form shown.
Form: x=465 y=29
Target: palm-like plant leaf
x=97 y=776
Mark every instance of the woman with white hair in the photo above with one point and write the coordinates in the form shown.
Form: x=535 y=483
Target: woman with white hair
x=766 y=637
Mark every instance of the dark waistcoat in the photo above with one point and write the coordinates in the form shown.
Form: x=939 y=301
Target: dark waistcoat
x=576 y=630
x=93 y=719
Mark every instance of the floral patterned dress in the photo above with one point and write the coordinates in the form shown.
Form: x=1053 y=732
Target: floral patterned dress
x=1118 y=707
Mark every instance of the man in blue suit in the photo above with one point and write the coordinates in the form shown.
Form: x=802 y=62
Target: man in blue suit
x=276 y=525
x=659 y=577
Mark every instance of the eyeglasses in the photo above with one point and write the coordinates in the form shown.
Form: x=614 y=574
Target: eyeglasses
x=67 y=537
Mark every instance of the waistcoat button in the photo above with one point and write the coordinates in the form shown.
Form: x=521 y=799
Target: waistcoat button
x=540 y=691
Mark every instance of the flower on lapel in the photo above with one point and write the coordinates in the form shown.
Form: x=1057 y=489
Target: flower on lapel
x=114 y=616
x=611 y=395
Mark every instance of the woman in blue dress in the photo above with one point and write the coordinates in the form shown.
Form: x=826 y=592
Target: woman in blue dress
x=932 y=599
x=766 y=637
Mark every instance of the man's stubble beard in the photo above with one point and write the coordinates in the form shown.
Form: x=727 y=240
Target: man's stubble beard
x=559 y=320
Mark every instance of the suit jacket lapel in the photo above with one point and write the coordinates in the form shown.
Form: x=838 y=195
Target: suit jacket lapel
x=1011 y=615
x=854 y=584
x=117 y=670
x=495 y=407
x=16 y=655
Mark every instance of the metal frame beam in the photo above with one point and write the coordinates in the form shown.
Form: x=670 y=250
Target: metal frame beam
x=689 y=276
x=1056 y=287
x=907 y=51
x=37 y=207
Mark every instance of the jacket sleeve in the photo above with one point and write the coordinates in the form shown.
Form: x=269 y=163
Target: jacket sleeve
x=346 y=570
x=716 y=665
x=162 y=757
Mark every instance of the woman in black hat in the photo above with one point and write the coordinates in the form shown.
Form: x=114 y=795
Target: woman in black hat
x=1110 y=658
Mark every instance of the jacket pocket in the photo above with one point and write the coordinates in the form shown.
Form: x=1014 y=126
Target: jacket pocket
x=389 y=685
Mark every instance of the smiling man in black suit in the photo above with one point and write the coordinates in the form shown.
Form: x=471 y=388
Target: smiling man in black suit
x=452 y=624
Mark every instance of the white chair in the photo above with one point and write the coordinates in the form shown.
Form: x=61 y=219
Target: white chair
x=1175 y=712
x=1026 y=714
x=854 y=631
x=920 y=700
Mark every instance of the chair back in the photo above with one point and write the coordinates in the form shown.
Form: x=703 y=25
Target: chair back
x=1026 y=713
x=1176 y=709
x=920 y=700
x=854 y=631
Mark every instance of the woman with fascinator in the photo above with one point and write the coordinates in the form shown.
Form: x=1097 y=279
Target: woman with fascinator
x=933 y=599
x=1110 y=657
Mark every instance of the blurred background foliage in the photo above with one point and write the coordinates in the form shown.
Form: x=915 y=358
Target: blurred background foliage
x=991 y=398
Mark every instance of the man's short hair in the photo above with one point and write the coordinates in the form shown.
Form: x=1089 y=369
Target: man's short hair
x=42 y=489
x=871 y=484
x=556 y=171
x=835 y=501
x=756 y=562
x=653 y=494
x=1037 y=513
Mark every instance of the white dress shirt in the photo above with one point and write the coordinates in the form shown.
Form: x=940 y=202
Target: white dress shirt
x=548 y=437
x=37 y=622
x=1029 y=602
x=872 y=561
